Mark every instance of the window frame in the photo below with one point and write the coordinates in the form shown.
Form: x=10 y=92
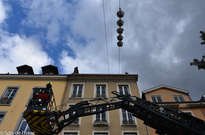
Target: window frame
x=102 y=131
x=20 y=122
x=72 y=88
x=5 y=90
x=128 y=131
x=155 y=96
x=121 y=119
x=178 y=98
x=3 y=112
x=129 y=88
x=71 y=131
x=95 y=90
x=106 y=117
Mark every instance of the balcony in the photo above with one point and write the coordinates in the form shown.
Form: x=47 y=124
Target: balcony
x=5 y=101
x=128 y=123
x=101 y=123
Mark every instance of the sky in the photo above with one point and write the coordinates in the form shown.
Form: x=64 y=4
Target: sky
x=161 y=38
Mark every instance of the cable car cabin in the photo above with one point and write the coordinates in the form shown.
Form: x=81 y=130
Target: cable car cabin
x=37 y=110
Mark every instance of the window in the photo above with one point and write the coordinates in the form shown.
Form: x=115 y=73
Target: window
x=101 y=117
x=130 y=133
x=124 y=90
x=8 y=95
x=77 y=90
x=101 y=91
x=179 y=98
x=100 y=133
x=2 y=114
x=127 y=118
x=23 y=126
x=70 y=133
x=156 y=98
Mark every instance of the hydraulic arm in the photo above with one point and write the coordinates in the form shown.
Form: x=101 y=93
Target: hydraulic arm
x=164 y=120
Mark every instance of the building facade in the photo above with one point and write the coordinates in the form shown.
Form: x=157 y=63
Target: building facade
x=174 y=98
x=16 y=91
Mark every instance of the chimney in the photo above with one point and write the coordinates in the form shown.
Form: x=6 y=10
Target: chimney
x=76 y=70
x=49 y=70
x=202 y=98
x=25 y=70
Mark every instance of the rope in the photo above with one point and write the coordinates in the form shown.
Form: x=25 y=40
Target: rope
x=108 y=63
x=119 y=61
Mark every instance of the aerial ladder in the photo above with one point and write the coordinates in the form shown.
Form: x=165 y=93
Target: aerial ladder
x=43 y=120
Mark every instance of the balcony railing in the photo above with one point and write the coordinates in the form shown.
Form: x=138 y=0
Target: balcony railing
x=101 y=123
x=5 y=101
x=128 y=122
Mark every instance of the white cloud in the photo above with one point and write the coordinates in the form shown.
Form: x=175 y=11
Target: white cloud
x=88 y=23
x=181 y=25
x=17 y=50
x=3 y=10
x=89 y=59
x=51 y=15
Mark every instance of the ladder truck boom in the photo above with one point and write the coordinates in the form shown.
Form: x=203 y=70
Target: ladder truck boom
x=165 y=121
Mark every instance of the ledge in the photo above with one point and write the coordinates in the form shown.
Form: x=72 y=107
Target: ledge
x=100 y=123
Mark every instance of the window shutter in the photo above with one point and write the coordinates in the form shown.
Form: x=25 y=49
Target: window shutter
x=153 y=99
x=80 y=90
x=103 y=116
x=97 y=116
x=176 y=99
x=98 y=91
x=103 y=91
x=120 y=90
x=74 y=90
x=181 y=98
x=130 y=116
x=124 y=118
x=126 y=90
x=159 y=99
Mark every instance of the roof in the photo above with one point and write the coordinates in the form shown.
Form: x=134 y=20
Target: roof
x=165 y=86
x=125 y=77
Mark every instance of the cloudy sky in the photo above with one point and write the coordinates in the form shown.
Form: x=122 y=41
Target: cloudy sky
x=161 y=38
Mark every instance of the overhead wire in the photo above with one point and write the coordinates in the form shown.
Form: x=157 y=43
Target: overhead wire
x=119 y=61
x=119 y=47
x=106 y=40
x=110 y=31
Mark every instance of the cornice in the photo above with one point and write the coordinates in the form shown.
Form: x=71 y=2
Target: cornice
x=73 y=77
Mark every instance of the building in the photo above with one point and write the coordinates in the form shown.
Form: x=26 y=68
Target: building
x=174 y=98
x=16 y=91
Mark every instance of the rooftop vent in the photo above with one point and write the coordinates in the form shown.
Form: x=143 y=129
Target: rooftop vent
x=49 y=70
x=25 y=70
